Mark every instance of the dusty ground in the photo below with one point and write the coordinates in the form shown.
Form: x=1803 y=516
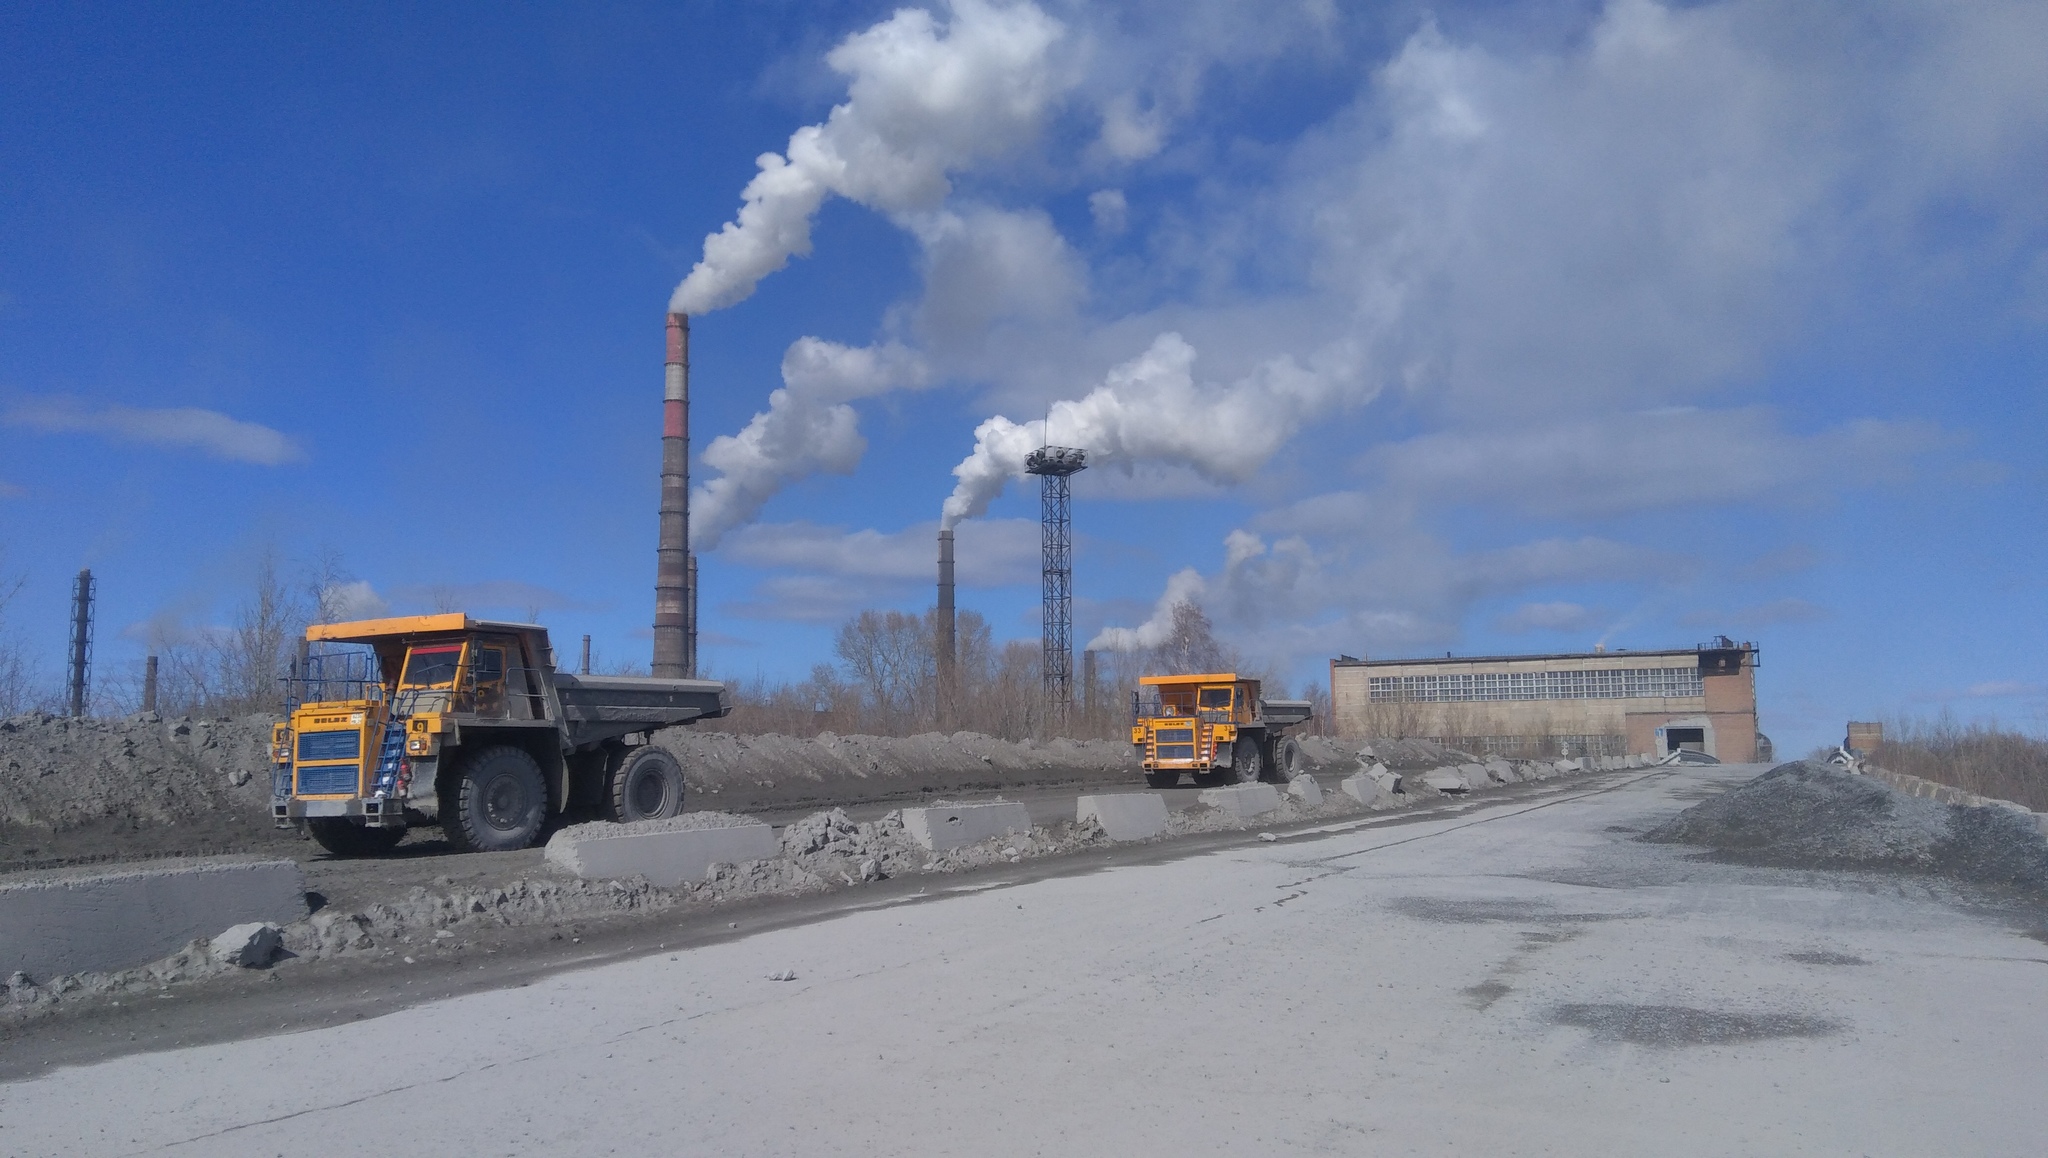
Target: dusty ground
x=1517 y=975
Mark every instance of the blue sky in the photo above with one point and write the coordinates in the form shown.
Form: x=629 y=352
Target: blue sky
x=1395 y=330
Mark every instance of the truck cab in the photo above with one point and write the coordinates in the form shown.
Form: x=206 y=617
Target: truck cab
x=392 y=723
x=1214 y=726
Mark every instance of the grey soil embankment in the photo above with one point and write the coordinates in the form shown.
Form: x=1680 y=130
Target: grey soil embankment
x=1811 y=815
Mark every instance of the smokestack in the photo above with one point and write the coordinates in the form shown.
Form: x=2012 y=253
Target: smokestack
x=948 y=641
x=149 y=684
x=81 y=642
x=585 y=669
x=673 y=631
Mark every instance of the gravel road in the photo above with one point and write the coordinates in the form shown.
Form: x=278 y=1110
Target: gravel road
x=1518 y=975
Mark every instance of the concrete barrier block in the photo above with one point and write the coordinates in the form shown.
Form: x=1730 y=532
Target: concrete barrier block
x=1243 y=801
x=250 y=945
x=666 y=858
x=1363 y=788
x=103 y=921
x=1502 y=772
x=1475 y=776
x=1446 y=780
x=939 y=829
x=1306 y=790
x=1568 y=765
x=1125 y=815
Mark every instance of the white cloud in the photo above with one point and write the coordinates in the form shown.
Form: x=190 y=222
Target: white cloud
x=9 y=490
x=989 y=553
x=1621 y=463
x=1112 y=213
x=178 y=428
x=352 y=600
x=923 y=99
x=808 y=428
x=1183 y=586
x=1771 y=614
x=1554 y=616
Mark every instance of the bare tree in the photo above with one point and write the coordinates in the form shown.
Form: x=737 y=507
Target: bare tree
x=17 y=674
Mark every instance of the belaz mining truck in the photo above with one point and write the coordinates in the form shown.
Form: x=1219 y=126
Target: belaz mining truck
x=1214 y=727
x=466 y=723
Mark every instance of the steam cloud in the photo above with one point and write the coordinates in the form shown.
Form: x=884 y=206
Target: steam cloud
x=1151 y=410
x=808 y=428
x=922 y=101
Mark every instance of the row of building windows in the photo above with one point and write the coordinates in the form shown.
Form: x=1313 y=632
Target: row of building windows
x=1626 y=683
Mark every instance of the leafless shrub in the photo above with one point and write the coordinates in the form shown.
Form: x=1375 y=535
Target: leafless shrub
x=1978 y=757
x=20 y=687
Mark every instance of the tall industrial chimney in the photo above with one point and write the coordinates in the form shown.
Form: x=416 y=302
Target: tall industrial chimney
x=81 y=643
x=674 y=633
x=948 y=639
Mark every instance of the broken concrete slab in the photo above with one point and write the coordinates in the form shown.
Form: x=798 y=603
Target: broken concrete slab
x=1446 y=780
x=1243 y=801
x=959 y=825
x=51 y=925
x=1306 y=790
x=251 y=945
x=1502 y=772
x=665 y=857
x=1475 y=776
x=1125 y=815
x=1367 y=790
x=1568 y=766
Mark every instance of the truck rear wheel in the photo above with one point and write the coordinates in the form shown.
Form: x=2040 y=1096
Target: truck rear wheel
x=1164 y=778
x=347 y=838
x=646 y=785
x=1248 y=759
x=1287 y=758
x=499 y=802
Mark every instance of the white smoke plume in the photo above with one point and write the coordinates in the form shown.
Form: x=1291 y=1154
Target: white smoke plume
x=923 y=99
x=1184 y=586
x=807 y=428
x=1152 y=410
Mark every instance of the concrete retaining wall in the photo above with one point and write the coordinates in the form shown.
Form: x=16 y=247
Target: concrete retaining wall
x=105 y=921
x=1243 y=801
x=960 y=825
x=665 y=858
x=1948 y=793
x=1126 y=815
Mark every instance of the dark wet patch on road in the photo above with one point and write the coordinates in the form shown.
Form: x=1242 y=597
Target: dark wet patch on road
x=1484 y=994
x=1822 y=958
x=1677 y=1025
x=1452 y=912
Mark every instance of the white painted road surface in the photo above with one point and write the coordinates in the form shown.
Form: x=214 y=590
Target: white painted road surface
x=1520 y=977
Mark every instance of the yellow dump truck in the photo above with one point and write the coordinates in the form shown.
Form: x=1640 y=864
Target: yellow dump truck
x=1214 y=727
x=463 y=722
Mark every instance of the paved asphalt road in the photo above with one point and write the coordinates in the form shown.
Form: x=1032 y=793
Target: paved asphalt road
x=1519 y=977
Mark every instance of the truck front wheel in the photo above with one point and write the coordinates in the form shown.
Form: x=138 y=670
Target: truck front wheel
x=1248 y=759
x=646 y=785
x=347 y=838
x=499 y=802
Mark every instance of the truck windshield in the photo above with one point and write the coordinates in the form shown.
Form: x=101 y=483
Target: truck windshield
x=1216 y=697
x=432 y=666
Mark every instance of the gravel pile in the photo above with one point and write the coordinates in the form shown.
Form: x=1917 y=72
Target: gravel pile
x=57 y=772
x=1811 y=815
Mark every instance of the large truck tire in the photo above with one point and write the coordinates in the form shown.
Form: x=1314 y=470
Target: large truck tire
x=646 y=784
x=1164 y=778
x=497 y=802
x=1287 y=758
x=1248 y=759
x=347 y=838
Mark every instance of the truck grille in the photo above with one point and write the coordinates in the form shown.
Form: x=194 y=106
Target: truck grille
x=331 y=780
x=1176 y=751
x=1175 y=735
x=330 y=745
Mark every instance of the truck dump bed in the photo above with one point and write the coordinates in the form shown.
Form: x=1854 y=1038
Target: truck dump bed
x=1285 y=713
x=596 y=708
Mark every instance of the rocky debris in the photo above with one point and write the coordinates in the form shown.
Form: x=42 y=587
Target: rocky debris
x=57 y=772
x=1406 y=755
x=1807 y=814
x=249 y=946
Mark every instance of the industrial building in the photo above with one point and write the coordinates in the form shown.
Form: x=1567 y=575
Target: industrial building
x=1596 y=703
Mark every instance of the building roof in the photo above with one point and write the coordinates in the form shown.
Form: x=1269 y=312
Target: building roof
x=1348 y=661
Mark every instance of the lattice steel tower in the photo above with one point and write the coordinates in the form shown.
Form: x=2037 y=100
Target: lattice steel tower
x=1055 y=467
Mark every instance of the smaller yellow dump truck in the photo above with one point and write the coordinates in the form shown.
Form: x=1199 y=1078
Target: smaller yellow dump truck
x=1214 y=727
x=466 y=723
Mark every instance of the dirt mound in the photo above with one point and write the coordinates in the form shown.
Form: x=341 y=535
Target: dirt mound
x=1811 y=815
